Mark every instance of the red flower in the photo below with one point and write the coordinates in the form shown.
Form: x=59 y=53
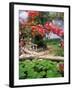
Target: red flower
x=47 y=25
x=48 y=28
x=61 y=67
x=56 y=30
x=52 y=26
x=41 y=30
x=33 y=13
x=33 y=28
x=61 y=33
x=38 y=28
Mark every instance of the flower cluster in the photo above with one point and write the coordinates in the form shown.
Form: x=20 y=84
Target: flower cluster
x=33 y=13
x=56 y=30
x=38 y=29
x=48 y=27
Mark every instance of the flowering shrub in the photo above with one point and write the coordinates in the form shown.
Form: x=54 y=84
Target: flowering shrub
x=37 y=28
x=33 y=14
x=48 y=27
x=56 y=30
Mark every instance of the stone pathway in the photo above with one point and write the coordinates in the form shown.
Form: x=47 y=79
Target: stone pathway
x=42 y=55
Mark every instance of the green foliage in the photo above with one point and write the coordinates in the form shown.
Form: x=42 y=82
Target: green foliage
x=59 y=52
x=26 y=33
x=51 y=73
x=39 y=41
x=38 y=68
x=56 y=49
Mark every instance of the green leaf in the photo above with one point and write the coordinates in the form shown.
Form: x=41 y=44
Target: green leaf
x=51 y=73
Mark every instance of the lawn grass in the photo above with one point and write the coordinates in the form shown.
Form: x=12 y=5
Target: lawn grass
x=54 y=44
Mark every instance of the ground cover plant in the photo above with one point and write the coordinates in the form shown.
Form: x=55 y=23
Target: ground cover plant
x=40 y=68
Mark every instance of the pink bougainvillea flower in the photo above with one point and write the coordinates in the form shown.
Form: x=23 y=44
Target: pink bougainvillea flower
x=61 y=33
x=41 y=29
x=47 y=25
x=40 y=26
x=55 y=29
x=52 y=26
